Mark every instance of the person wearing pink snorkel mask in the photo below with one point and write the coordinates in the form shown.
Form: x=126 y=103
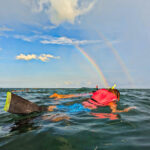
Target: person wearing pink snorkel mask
x=99 y=98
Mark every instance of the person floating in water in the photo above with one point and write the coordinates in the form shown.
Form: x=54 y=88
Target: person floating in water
x=100 y=98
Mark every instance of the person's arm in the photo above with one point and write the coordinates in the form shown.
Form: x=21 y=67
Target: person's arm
x=113 y=107
x=58 y=96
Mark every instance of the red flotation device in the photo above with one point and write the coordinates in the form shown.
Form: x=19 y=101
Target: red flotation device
x=101 y=97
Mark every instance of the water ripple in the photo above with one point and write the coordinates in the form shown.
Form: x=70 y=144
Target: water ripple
x=130 y=130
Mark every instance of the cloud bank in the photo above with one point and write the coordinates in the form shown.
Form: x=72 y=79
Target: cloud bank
x=59 y=11
x=42 y=57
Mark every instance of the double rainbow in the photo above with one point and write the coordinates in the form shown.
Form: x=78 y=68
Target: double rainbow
x=96 y=67
x=118 y=58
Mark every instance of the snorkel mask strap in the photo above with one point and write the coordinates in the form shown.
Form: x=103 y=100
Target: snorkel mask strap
x=113 y=87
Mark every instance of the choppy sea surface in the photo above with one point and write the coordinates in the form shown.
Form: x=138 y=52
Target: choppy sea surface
x=83 y=131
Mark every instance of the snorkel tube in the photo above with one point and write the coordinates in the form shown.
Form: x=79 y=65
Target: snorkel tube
x=118 y=93
x=113 y=87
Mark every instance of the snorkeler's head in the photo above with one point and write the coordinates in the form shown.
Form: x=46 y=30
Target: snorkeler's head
x=116 y=92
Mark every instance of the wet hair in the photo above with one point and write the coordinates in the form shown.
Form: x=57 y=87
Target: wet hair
x=116 y=92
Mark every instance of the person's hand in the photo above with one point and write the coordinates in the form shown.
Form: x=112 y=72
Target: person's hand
x=89 y=107
x=56 y=119
x=50 y=108
x=129 y=108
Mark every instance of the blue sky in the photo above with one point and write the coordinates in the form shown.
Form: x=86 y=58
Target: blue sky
x=38 y=37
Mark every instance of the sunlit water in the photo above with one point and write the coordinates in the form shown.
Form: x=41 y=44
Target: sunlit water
x=83 y=131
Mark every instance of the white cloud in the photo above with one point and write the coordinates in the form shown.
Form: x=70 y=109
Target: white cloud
x=4 y=28
x=42 y=57
x=89 y=83
x=26 y=57
x=45 y=39
x=68 y=82
x=68 y=41
x=32 y=37
x=45 y=57
x=60 y=40
x=60 y=11
x=25 y=38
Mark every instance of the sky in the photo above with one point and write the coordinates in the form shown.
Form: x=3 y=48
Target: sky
x=74 y=43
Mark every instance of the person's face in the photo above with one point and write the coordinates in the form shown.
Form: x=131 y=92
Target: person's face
x=118 y=97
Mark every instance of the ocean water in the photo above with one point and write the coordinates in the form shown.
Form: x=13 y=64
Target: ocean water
x=99 y=130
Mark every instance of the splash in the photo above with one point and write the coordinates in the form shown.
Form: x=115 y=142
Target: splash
x=93 y=63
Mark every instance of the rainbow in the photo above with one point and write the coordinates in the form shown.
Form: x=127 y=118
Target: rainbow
x=114 y=51
x=96 y=67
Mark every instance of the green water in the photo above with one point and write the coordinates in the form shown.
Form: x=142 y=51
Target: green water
x=83 y=131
